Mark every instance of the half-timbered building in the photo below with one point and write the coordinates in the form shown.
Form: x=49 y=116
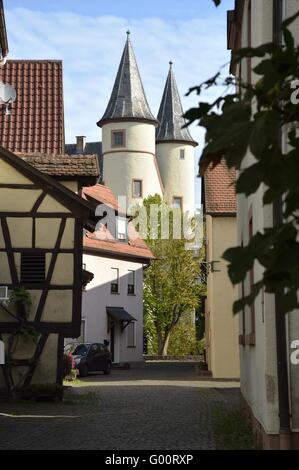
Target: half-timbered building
x=41 y=230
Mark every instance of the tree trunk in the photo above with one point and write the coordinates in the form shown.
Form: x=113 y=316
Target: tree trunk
x=165 y=344
x=160 y=342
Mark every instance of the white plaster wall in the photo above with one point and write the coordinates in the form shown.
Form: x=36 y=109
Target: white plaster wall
x=123 y=164
x=258 y=363
x=97 y=297
x=177 y=175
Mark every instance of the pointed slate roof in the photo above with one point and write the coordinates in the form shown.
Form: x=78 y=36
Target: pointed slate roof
x=128 y=101
x=170 y=115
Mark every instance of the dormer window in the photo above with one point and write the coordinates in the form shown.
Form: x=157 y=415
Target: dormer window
x=121 y=229
x=118 y=138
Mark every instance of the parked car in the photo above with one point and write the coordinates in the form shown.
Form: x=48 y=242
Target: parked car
x=91 y=357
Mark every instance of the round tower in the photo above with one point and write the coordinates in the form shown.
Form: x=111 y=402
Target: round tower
x=175 y=149
x=128 y=136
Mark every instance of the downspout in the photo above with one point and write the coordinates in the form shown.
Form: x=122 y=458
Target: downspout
x=280 y=319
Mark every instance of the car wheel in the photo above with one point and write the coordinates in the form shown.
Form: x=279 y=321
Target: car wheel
x=84 y=371
x=107 y=370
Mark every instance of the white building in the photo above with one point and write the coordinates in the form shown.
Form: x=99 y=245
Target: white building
x=269 y=382
x=113 y=301
x=139 y=154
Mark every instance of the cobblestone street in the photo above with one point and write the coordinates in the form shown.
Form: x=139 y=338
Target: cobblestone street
x=152 y=406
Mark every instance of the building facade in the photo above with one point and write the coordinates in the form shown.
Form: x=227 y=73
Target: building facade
x=269 y=382
x=42 y=217
x=113 y=301
x=221 y=326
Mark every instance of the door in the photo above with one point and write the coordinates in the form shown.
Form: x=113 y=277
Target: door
x=112 y=334
x=114 y=342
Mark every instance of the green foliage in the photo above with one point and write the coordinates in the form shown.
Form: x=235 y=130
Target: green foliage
x=170 y=287
x=254 y=120
x=183 y=339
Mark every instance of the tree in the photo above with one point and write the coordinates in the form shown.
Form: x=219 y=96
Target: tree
x=170 y=287
x=254 y=120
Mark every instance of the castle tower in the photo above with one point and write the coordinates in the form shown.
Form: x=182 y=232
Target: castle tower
x=128 y=136
x=175 y=149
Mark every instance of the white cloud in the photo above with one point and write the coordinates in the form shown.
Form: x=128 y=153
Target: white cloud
x=91 y=47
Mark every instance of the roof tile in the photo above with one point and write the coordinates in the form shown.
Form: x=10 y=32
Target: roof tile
x=36 y=123
x=219 y=190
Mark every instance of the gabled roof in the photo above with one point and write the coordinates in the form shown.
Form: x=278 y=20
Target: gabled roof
x=3 y=34
x=170 y=115
x=90 y=148
x=103 y=242
x=79 y=207
x=64 y=166
x=128 y=100
x=218 y=190
x=36 y=123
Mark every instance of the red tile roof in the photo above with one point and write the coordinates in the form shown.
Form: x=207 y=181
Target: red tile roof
x=36 y=123
x=64 y=165
x=103 y=194
x=219 y=196
x=103 y=241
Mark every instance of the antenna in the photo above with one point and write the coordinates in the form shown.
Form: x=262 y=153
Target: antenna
x=8 y=95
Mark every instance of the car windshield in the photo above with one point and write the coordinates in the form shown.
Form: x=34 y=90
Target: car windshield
x=80 y=350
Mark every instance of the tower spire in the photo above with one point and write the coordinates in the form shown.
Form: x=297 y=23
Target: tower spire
x=128 y=100
x=171 y=113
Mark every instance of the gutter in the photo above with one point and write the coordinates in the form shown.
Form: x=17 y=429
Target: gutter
x=280 y=318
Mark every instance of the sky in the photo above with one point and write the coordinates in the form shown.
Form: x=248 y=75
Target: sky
x=89 y=36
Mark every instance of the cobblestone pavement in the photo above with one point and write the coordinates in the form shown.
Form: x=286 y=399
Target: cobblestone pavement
x=153 y=406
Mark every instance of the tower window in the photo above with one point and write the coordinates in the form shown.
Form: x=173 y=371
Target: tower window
x=137 y=188
x=177 y=202
x=118 y=138
x=182 y=154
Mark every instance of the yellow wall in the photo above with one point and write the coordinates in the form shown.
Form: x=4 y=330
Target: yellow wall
x=222 y=330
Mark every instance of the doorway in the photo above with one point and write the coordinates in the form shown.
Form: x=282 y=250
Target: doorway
x=114 y=342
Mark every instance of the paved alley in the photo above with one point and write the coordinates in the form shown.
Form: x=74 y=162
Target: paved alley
x=163 y=406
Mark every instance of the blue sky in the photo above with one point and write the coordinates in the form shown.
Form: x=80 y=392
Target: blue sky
x=89 y=36
x=166 y=9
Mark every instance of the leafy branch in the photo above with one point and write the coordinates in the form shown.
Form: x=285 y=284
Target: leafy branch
x=254 y=120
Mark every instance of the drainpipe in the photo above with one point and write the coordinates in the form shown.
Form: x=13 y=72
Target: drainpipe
x=280 y=319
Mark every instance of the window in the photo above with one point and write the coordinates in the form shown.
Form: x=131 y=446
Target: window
x=114 y=280
x=182 y=154
x=137 y=188
x=177 y=202
x=33 y=268
x=131 y=283
x=131 y=340
x=251 y=336
x=118 y=138
x=122 y=228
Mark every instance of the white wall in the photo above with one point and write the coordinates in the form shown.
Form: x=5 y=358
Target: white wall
x=123 y=164
x=258 y=362
x=97 y=297
x=177 y=174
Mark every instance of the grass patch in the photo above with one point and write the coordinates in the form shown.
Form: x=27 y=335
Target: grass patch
x=232 y=430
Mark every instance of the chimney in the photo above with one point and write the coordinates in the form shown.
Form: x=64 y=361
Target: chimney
x=80 y=144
